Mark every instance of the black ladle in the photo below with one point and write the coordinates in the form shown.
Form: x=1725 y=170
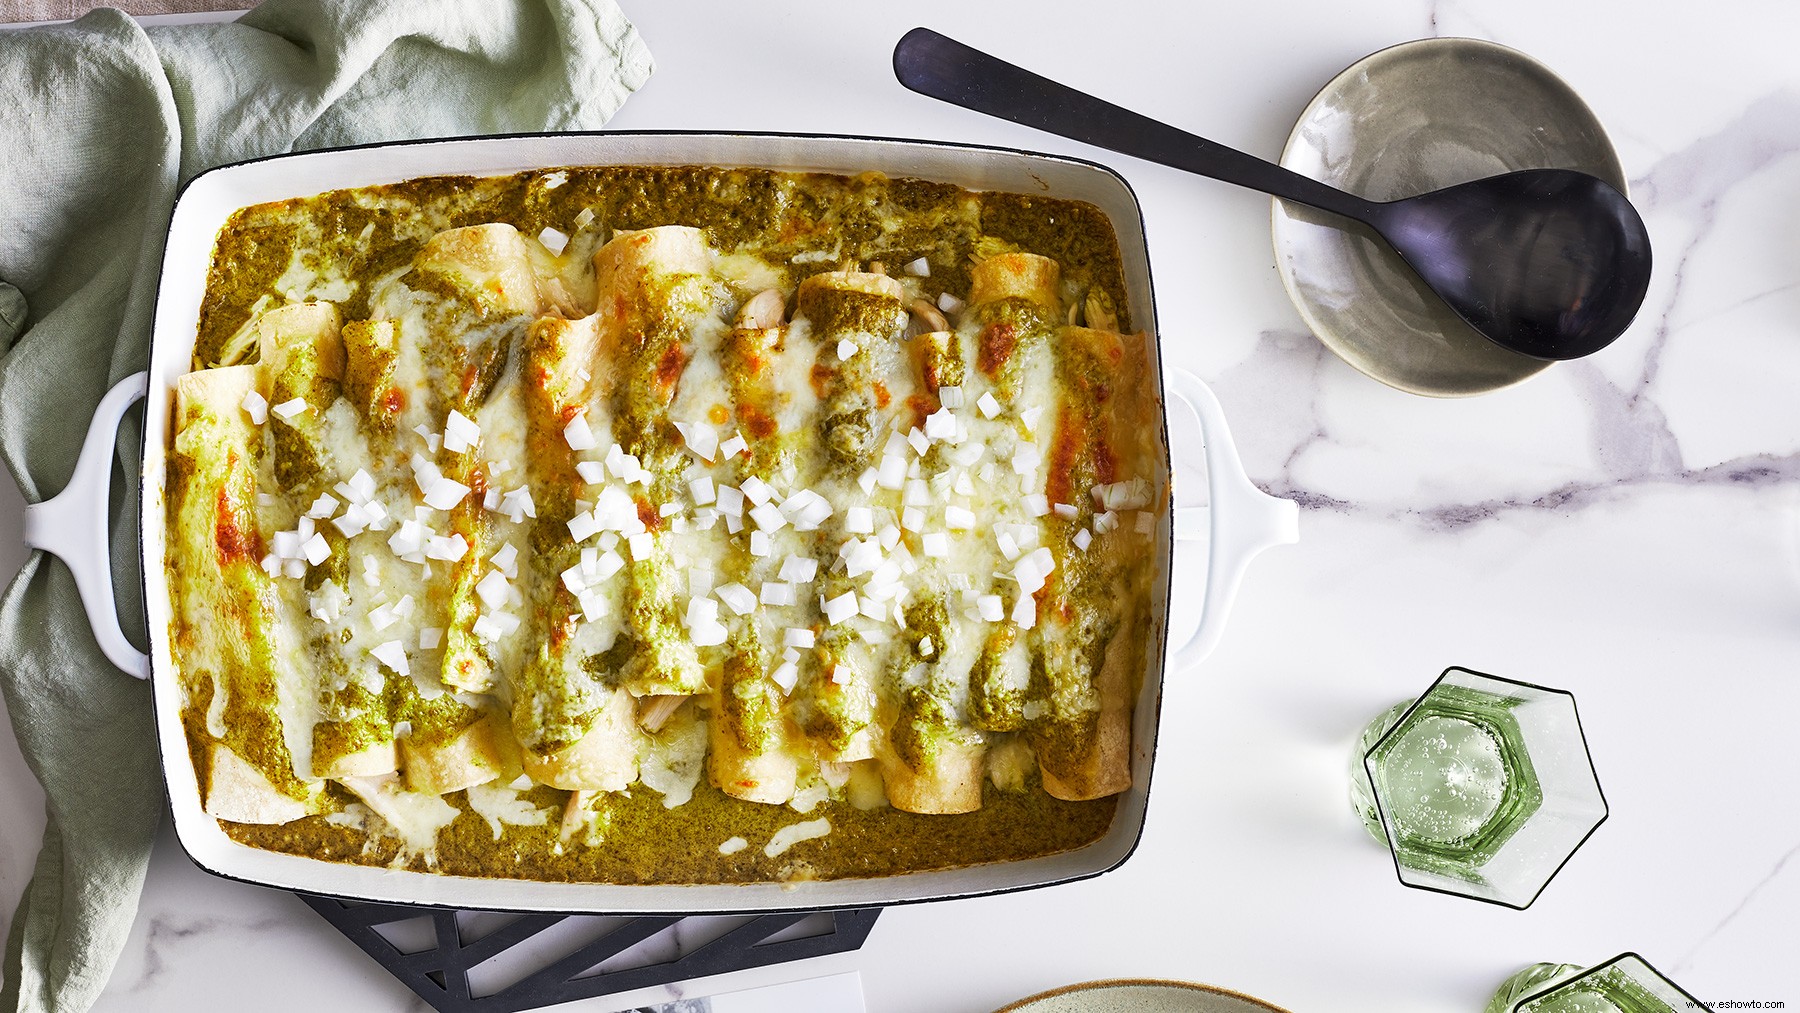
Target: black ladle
x=1551 y=263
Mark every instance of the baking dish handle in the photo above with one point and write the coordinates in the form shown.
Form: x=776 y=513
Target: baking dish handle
x=73 y=525
x=1243 y=519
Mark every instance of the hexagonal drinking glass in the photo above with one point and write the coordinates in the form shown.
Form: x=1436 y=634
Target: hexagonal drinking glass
x=1625 y=984
x=1482 y=787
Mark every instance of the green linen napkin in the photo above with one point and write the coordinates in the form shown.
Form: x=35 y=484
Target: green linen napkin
x=101 y=123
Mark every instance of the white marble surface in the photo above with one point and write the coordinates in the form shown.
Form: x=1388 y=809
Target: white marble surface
x=1624 y=527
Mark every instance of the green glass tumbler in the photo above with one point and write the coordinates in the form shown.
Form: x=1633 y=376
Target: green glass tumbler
x=1482 y=787
x=1625 y=984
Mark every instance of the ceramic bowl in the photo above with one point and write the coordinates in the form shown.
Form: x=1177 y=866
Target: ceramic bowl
x=1409 y=119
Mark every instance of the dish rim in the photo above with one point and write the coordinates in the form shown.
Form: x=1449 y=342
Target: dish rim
x=191 y=822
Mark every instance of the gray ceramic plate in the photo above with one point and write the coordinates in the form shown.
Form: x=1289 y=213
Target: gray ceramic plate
x=1141 y=995
x=1409 y=119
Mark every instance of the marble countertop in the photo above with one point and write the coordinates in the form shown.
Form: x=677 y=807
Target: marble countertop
x=1623 y=527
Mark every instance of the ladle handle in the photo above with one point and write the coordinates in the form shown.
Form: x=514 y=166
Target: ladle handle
x=934 y=65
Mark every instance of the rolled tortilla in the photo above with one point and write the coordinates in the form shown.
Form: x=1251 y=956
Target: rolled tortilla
x=856 y=320
x=485 y=295
x=653 y=285
x=752 y=754
x=572 y=719
x=1087 y=652
x=1014 y=299
x=440 y=757
x=302 y=356
x=231 y=639
x=932 y=764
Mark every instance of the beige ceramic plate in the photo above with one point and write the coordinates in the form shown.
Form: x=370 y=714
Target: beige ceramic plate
x=1409 y=119
x=1140 y=995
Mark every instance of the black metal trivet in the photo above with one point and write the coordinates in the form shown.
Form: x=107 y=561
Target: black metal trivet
x=474 y=961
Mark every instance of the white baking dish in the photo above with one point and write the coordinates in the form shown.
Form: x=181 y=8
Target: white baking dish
x=1238 y=522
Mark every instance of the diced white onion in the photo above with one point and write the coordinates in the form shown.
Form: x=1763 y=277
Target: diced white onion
x=610 y=562
x=840 y=608
x=768 y=517
x=642 y=545
x=949 y=303
x=733 y=447
x=756 y=490
x=1083 y=539
x=554 y=240
x=707 y=634
x=578 y=435
x=518 y=505
x=1033 y=569
x=1030 y=417
x=958 y=518
x=701 y=438
x=591 y=472
x=445 y=493
x=583 y=526
x=1066 y=511
x=759 y=543
x=730 y=501
x=410 y=538
x=785 y=675
x=775 y=592
x=892 y=474
x=737 y=598
x=316 y=549
x=845 y=349
x=506 y=560
x=912 y=519
x=290 y=408
x=795 y=636
x=991 y=607
x=492 y=589
x=799 y=569
x=864 y=557
x=593 y=606
x=936 y=545
x=257 y=406
x=392 y=653
x=701 y=491
x=859 y=520
x=701 y=611
x=460 y=433
x=448 y=549
x=1037 y=504
x=918 y=268
x=1024 y=613
x=950 y=397
x=806 y=510
x=918 y=440
x=430 y=637
x=941 y=424
x=989 y=405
